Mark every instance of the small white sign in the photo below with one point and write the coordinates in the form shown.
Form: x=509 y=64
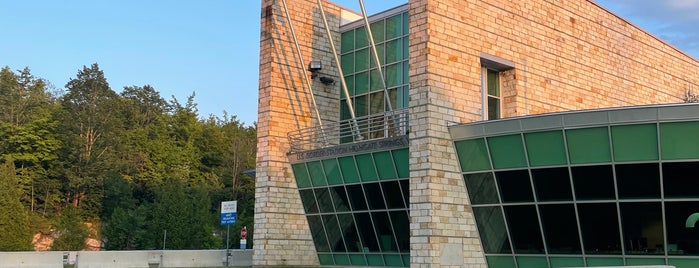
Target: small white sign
x=229 y=207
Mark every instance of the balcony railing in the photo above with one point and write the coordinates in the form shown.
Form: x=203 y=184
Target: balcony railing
x=375 y=126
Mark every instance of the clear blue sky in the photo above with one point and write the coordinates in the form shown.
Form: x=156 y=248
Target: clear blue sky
x=209 y=47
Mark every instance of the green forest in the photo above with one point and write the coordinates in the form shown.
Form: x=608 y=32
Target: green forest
x=127 y=170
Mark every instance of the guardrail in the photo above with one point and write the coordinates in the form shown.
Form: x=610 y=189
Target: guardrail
x=375 y=126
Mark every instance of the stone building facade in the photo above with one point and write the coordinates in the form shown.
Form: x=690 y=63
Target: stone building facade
x=538 y=56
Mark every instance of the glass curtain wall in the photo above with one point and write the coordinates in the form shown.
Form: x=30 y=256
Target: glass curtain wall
x=620 y=194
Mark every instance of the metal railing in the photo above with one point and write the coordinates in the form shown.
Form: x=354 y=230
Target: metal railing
x=375 y=126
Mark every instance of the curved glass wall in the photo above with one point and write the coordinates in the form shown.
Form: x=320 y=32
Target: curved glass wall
x=597 y=188
x=357 y=207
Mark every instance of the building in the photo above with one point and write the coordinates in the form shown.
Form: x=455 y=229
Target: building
x=447 y=152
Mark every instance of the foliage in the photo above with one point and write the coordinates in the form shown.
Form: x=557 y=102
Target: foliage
x=130 y=162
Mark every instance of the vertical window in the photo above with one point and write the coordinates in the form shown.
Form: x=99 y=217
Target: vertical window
x=491 y=94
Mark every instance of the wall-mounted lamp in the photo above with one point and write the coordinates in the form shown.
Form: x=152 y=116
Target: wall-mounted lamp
x=315 y=66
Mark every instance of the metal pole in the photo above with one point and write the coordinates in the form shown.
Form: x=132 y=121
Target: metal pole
x=227 y=245
x=164 y=238
x=355 y=127
x=376 y=55
x=303 y=64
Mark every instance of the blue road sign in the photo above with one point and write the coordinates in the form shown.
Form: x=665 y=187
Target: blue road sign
x=228 y=218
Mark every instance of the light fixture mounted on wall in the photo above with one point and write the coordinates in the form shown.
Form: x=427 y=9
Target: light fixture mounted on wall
x=315 y=66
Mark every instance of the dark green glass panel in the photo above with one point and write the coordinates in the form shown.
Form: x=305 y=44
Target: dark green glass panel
x=679 y=140
x=356 y=196
x=324 y=203
x=361 y=105
x=347 y=63
x=635 y=181
x=357 y=259
x=315 y=169
x=344 y=114
x=360 y=38
x=392 y=195
x=347 y=41
x=308 y=200
x=394 y=75
x=326 y=259
x=384 y=231
x=493 y=108
x=599 y=225
x=684 y=263
x=402 y=162
x=374 y=197
x=375 y=80
x=375 y=259
x=679 y=179
x=588 y=145
x=301 y=175
x=507 y=151
x=367 y=170
x=393 y=97
x=560 y=228
x=552 y=184
x=546 y=148
x=514 y=186
x=341 y=259
x=594 y=262
x=635 y=142
x=406 y=26
x=393 y=260
x=531 y=262
x=349 y=232
x=361 y=83
x=394 y=50
x=406 y=260
x=642 y=227
x=361 y=60
x=332 y=228
x=493 y=83
x=381 y=53
x=339 y=197
x=406 y=77
x=500 y=262
x=349 y=79
x=473 y=155
x=394 y=27
x=401 y=227
x=406 y=48
x=384 y=164
x=377 y=31
x=491 y=227
x=332 y=171
x=376 y=103
x=566 y=262
x=644 y=261
x=349 y=169
x=481 y=188
x=680 y=239
x=366 y=232
x=523 y=224
x=318 y=234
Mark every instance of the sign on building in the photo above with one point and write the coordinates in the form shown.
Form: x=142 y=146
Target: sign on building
x=229 y=212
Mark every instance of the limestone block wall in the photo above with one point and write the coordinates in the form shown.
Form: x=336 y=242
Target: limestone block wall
x=568 y=55
x=282 y=236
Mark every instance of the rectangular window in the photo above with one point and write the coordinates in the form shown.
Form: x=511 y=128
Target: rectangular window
x=491 y=94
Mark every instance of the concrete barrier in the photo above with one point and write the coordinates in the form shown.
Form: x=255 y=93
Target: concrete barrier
x=32 y=259
x=193 y=258
x=240 y=257
x=112 y=259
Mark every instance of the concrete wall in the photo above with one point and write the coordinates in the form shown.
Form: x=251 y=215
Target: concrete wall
x=567 y=55
x=282 y=236
x=117 y=259
x=31 y=259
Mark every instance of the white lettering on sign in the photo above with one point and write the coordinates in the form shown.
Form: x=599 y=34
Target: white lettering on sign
x=229 y=207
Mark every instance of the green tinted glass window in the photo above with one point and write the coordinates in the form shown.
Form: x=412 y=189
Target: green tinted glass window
x=361 y=60
x=376 y=106
x=360 y=38
x=593 y=262
x=507 y=151
x=361 y=107
x=394 y=27
x=406 y=26
x=393 y=260
x=315 y=169
x=361 y=82
x=344 y=114
x=349 y=80
x=381 y=53
x=406 y=49
x=301 y=175
x=402 y=162
x=394 y=75
x=481 y=188
x=546 y=148
x=635 y=142
x=679 y=140
x=384 y=165
x=367 y=170
x=347 y=41
x=644 y=261
x=491 y=226
x=341 y=259
x=349 y=169
x=473 y=155
x=394 y=50
x=588 y=145
x=357 y=259
x=347 y=63
x=566 y=262
x=332 y=171
x=684 y=263
x=375 y=80
x=375 y=259
x=500 y=261
x=377 y=31
x=406 y=260
x=326 y=259
x=406 y=74
x=531 y=262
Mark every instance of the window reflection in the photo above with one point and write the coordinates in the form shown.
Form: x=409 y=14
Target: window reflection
x=332 y=229
x=366 y=232
x=318 y=233
x=642 y=225
x=384 y=232
x=309 y=201
x=491 y=227
x=349 y=231
x=339 y=197
x=682 y=240
x=600 y=228
x=323 y=197
x=481 y=188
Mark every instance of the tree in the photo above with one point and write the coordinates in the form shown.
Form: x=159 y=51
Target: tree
x=14 y=220
x=71 y=230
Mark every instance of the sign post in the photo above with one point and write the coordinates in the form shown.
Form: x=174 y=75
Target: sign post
x=229 y=214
